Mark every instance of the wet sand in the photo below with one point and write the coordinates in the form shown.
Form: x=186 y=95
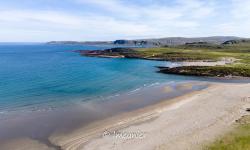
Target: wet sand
x=173 y=117
x=186 y=122
x=41 y=129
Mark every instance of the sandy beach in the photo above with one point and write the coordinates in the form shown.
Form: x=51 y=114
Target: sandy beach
x=190 y=121
x=186 y=122
x=124 y=75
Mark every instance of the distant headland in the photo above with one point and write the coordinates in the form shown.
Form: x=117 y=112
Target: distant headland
x=157 y=42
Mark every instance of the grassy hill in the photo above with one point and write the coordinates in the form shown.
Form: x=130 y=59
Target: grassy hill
x=154 y=42
x=204 y=51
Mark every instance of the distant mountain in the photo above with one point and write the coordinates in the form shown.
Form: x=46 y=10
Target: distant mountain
x=179 y=40
x=169 y=41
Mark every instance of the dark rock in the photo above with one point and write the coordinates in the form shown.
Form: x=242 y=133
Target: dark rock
x=197 y=43
x=121 y=42
x=230 y=42
x=113 y=52
x=215 y=71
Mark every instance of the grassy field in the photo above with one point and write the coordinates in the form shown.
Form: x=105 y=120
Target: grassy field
x=208 y=52
x=239 y=51
x=238 y=139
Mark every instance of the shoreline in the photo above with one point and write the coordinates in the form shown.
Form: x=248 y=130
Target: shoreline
x=145 y=114
x=204 y=114
x=40 y=125
x=91 y=138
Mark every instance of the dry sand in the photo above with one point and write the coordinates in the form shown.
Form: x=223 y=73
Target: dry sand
x=186 y=122
x=223 y=61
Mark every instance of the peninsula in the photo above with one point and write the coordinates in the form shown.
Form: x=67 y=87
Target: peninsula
x=228 y=59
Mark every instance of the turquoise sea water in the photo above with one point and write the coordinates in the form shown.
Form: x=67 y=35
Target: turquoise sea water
x=37 y=76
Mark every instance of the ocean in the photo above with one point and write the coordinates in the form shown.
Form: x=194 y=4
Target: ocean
x=35 y=76
x=47 y=89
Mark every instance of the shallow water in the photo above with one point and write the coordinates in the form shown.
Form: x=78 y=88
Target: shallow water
x=49 y=88
x=40 y=125
x=39 y=76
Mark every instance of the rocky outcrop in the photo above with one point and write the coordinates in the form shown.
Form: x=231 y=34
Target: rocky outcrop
x=113 y=52
x=208 y=71
x=231 y=42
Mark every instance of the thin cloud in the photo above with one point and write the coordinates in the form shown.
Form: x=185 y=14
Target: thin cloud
x=116 y=19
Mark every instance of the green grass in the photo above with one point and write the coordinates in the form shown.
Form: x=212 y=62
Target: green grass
x=238 y=139
x=239 y=51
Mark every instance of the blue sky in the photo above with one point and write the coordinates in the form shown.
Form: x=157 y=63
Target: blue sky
x=87 y=20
